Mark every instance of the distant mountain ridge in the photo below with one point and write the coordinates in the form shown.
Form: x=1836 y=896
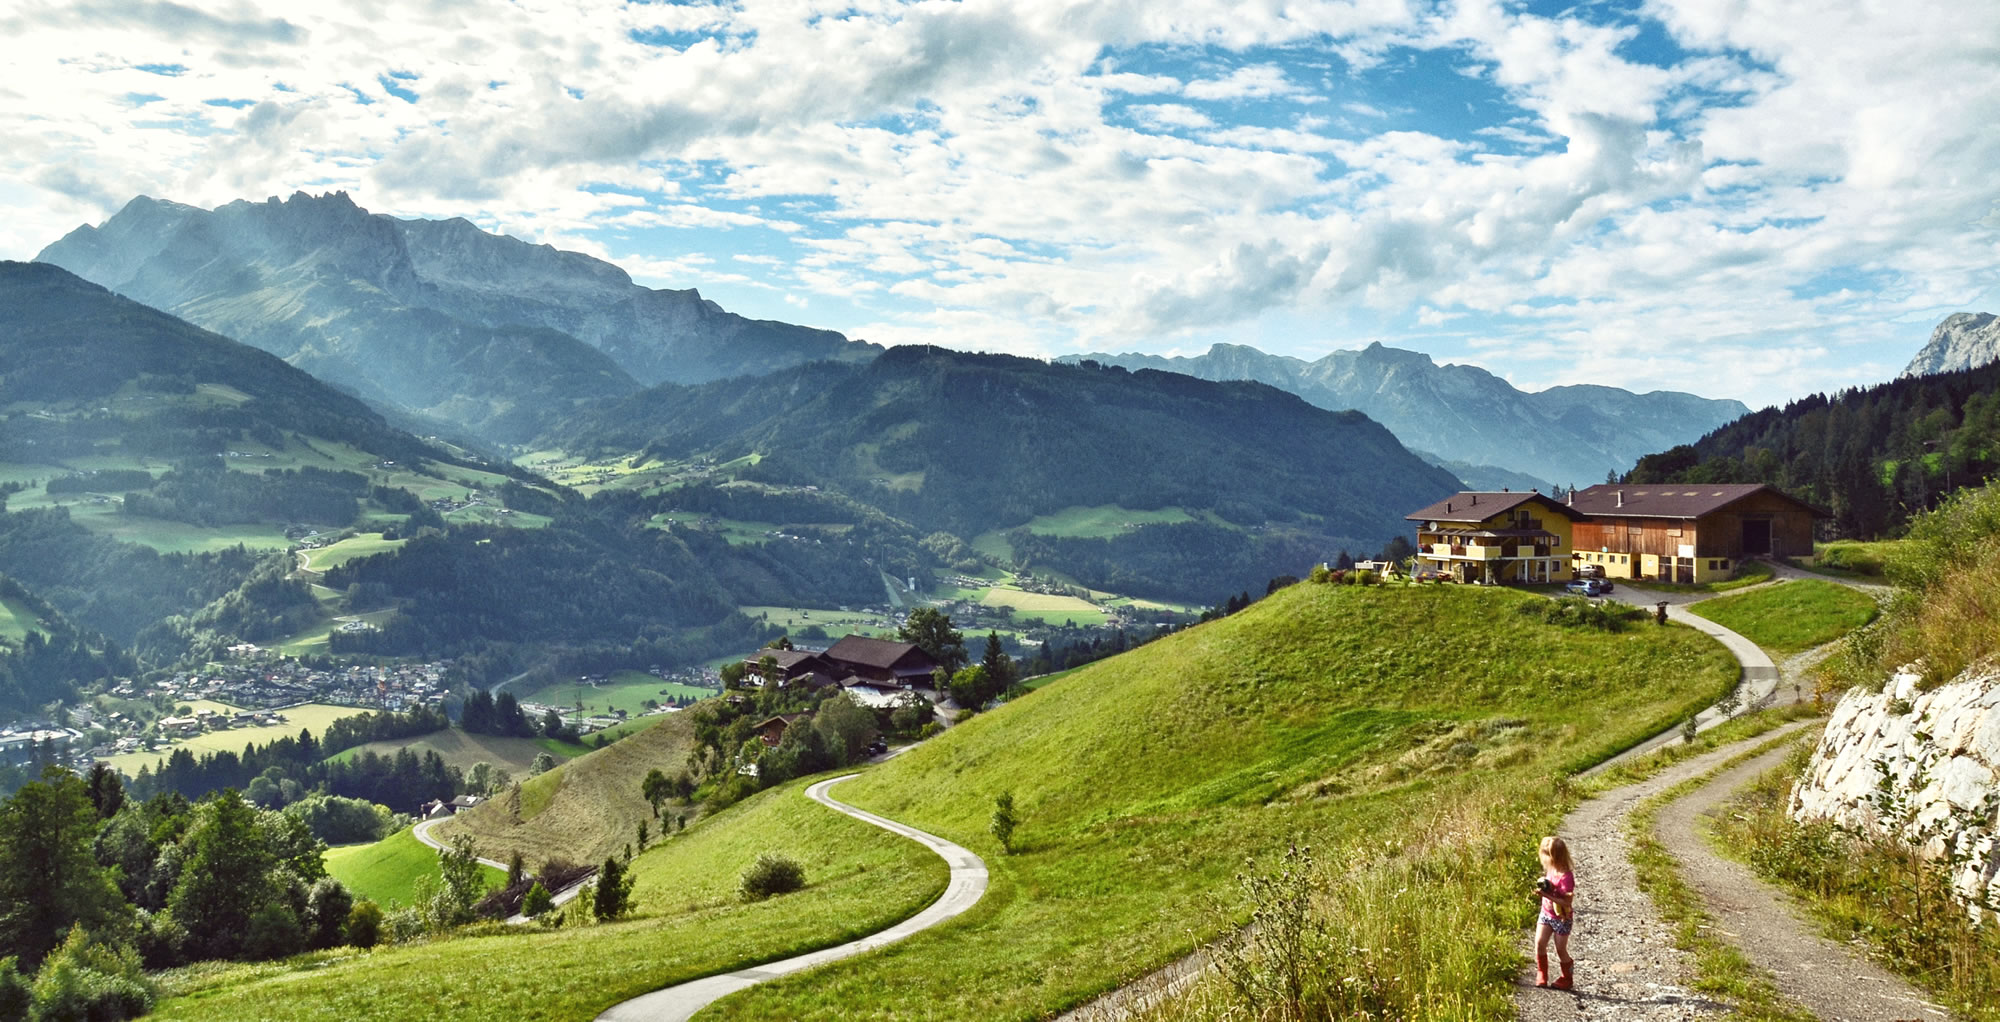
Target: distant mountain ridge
x=1965 y=340
x=438 y=318
x=1465 y=416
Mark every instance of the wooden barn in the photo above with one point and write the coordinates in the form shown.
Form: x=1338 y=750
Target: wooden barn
x=1687 y=532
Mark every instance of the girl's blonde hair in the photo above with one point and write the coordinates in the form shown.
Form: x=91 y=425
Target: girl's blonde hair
x=1555 y=854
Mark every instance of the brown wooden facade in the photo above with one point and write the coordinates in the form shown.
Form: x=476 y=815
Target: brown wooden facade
x=1687 y=533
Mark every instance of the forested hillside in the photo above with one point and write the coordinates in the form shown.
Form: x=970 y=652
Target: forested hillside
x=1874 y=456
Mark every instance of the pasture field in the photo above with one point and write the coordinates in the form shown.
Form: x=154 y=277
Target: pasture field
x=1051 y=608
x=836 y=622
x=386 y=872
x=624 y=690
x=688 y=923
x=314 y=639
x=313 y=717
x=170 y=537
x=462 y=750
x=1791 y=617
x=16 y=620
x=333 y=555
x=1105 y=521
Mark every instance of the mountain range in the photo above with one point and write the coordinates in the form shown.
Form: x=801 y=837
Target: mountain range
x=1965 y=340
x=1465 y=417
x=437 y=318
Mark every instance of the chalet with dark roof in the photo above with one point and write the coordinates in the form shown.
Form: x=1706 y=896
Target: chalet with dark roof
x=898 y=663
x=789 y=666
x=1687 y=532
x=1502 y=537
x=772 y=729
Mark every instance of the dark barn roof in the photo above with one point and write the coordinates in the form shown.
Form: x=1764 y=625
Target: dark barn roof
x=1479 y=505
x=877 y=653
x=1672 y=500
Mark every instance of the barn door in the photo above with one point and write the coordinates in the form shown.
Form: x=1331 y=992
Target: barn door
x=1756 y=536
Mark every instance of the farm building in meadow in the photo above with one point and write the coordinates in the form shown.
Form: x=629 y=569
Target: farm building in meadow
x=1496 y=537
x=898 y=663
x=1687 y=532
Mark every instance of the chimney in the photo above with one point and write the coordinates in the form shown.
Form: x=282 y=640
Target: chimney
x=1447 y=507
x=1475 y=500
x=1572 y=496
x=1621 y=498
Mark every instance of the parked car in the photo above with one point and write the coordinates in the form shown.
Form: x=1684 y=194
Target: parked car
x=1589 y=587
x=1590 y=571
x=877 y=747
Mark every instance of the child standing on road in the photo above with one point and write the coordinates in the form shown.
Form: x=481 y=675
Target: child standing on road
x=1557 y=890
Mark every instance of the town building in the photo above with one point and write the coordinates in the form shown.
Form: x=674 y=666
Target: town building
x=1503 y=537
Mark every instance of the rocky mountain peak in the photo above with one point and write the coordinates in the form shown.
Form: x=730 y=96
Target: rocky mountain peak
x=1964 y=340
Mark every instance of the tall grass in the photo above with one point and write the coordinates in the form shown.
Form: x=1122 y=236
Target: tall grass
x=1871 y=888
x=1791 y=617
x=1946 y=614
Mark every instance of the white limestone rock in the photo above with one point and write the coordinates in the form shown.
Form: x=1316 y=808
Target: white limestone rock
x=1965 y=340
x=1941 y=753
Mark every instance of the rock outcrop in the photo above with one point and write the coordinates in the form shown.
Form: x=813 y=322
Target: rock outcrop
x=1966 y=340
x=1939 y=752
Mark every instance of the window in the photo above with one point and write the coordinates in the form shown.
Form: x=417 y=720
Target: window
x=1725 y=564
x=1673 y=530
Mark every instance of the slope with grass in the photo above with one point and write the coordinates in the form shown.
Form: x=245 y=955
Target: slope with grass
x=460 y=750
x=584 y=809
x=690 y=923
x=1402 y=721
x=387 y=871
x=1790 y=617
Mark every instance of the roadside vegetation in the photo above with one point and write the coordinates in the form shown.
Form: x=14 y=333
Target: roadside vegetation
x=1848 y=558
x=1791 y=617
x=388 y=870
x=688 y=919
x=1870 y=888
x=1397 y=733
x=1720 y=968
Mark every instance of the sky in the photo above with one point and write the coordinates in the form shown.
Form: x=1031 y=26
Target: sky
x=1754 y=199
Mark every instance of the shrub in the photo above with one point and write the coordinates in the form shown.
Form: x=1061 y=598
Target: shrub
x=772 y=874
x=274 y=932
x=1004 y=820
x=328 y=906
x=403 y=925
x=537 y=901
x=930 y=730
x=86 y=980
x=613 y=896
x=15 y=994
x=1319 y=575
x=364 y=924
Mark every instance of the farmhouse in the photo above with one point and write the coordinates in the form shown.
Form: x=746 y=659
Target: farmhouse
x=772 y=729
x=1496 y=537
x=899 y=663
x=788 y=665
x=1687 y=532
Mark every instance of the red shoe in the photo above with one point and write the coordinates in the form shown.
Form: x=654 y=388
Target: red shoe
x=1563 y=981
x=1541 y=977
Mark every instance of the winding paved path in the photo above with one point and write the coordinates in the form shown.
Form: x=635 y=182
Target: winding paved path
x=968 y=883
x=422 y=831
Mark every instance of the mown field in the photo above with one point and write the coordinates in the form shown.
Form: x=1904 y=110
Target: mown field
x=1791 y=617
x=333 y=555
x=584 y=809
x=313 y=717
x=622 y=690
x=314 y=640
x=1850 y=558
x=689 y=923
x=387 y=871
x=16 y=620
x=1051 y=608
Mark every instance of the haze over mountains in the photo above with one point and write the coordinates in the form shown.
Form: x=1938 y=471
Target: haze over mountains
x=1466 y=417
x=439 y=318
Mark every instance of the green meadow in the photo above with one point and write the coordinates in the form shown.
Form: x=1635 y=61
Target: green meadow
x=387 y=871
x=622 y=690
x=1422 y=731
x=313 y=717
x=1791 y=617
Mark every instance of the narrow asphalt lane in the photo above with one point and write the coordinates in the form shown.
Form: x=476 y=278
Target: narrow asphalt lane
x=968 y=884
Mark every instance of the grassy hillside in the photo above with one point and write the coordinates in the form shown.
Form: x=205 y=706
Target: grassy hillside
x=1395 y=721
x=1791 y=617
x=1418 y=729
x=584 y=809
x=461 y=750
x=690 y=923
x=387 y=870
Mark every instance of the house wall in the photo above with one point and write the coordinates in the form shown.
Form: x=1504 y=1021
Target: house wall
x=1544 y=516
x=1713 y=543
